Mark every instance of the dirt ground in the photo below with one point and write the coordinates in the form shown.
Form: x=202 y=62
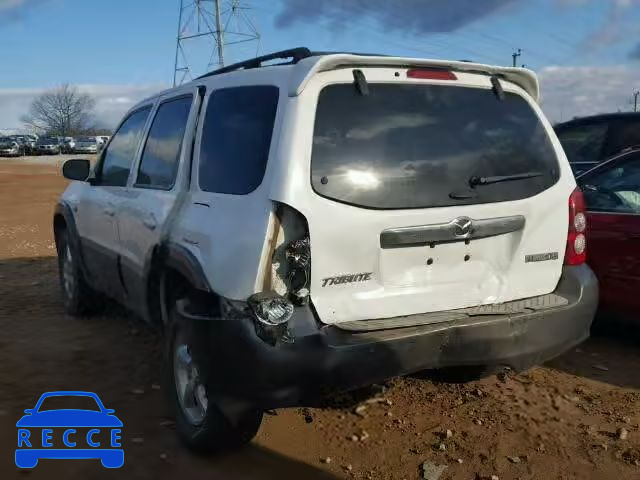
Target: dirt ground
x=563 y=420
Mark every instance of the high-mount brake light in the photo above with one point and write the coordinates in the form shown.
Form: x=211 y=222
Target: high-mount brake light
x=431 y=74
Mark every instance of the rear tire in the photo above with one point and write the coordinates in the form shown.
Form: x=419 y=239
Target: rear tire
x=78 y=297
x=200 y=423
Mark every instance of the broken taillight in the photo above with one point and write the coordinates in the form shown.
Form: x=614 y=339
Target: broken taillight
x=290 y=272
x=298 y=254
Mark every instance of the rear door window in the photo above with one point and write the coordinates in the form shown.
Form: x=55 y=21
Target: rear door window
x=161 y=154
x=236 y=138
x=417 y=146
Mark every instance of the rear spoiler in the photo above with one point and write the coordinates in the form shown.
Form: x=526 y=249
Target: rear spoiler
x=308 y=67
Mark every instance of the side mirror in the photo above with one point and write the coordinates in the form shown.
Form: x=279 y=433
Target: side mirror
x=76 y=169
x=29 y=411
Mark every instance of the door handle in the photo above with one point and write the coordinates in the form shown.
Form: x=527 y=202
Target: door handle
x=109 y=209
x=150 y=221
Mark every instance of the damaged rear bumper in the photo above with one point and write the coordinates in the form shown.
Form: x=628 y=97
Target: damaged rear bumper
x=324 y=358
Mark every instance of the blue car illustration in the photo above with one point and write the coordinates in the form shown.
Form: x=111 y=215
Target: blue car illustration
x=34 y=444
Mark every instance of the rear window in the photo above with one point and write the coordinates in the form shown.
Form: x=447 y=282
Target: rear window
x=627 y=135
x=418 y=146
x=583 y=143
x=161 y=154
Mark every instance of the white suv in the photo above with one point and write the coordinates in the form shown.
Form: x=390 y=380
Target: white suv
x=329 y=222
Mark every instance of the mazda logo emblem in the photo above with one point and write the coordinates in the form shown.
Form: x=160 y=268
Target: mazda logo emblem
x=462 y=226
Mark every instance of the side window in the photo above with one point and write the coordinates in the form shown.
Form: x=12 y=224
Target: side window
x=583 y=143
x=616 y=189
x=161 y=154
x=117 y=159
x=236 y=138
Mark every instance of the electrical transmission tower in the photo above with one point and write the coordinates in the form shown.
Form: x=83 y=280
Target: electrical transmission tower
x=207 y=29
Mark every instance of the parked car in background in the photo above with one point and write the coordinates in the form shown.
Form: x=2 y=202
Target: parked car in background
x=25 y=141
x=587 y=141
x=30 y=142
x=325 y=209
x=11 y=147
x=49 y=146
x=612 y=194
x=86 y=145
x=68 y=144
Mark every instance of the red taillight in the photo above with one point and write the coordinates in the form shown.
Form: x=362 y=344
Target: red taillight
x=431 y=74
x=576 y=252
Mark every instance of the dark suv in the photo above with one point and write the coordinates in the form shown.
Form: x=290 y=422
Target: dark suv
x=587 y=141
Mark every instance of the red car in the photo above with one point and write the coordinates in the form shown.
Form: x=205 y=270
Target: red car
x=612 y=194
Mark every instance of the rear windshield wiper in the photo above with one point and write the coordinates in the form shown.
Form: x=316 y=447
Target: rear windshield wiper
x=475 y=181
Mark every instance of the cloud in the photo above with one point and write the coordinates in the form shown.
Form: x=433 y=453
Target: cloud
x=14 y=10
x=10 y=4
x=571 y=3
x=612 y=30
x=112 y=101
x=566 y=92
x=415 y=16
x=617 y=26
x=581 y=3
x=569 y=92
x=635 y=53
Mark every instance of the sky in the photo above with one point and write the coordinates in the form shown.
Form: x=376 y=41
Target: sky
x=586 y=52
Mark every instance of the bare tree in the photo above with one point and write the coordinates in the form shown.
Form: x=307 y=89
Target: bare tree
x=62 y=111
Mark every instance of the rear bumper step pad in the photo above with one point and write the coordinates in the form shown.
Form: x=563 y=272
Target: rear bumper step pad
x=526 y=305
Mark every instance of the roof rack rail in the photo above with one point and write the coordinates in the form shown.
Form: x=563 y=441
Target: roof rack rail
x=295 y=54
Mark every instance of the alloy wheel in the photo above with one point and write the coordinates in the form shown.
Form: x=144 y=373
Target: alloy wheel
x=192 y=395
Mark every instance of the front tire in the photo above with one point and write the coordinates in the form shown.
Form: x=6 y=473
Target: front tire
x=76 y=293
x=200 y=422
